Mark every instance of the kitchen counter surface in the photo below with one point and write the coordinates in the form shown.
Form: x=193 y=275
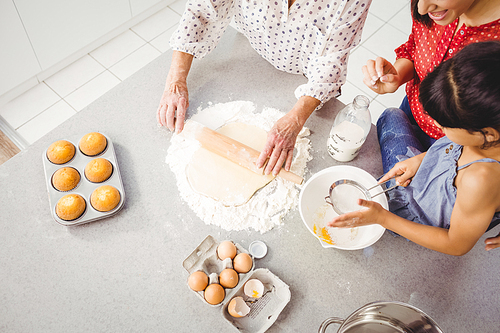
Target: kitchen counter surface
x=125 y=274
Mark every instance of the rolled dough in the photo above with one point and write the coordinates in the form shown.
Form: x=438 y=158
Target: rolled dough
x=219 y=178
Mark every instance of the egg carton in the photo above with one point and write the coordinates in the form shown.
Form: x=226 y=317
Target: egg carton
x=263 y=311
x=84 y=187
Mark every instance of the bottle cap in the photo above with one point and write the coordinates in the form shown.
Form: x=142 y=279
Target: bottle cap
x=258 y=249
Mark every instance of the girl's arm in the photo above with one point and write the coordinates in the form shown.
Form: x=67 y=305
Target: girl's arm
x=478 y=196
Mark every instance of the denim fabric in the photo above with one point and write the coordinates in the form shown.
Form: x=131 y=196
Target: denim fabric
x=396 y=137
x=431 y=195
x=424 y=139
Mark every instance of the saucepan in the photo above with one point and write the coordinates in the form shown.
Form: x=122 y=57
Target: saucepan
x=384 y=317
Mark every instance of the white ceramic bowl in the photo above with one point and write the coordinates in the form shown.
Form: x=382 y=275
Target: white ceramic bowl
x=315 y=212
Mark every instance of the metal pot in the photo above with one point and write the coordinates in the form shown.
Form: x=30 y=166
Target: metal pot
x=384 y=317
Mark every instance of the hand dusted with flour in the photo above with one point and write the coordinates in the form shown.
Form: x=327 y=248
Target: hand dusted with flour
x=269 y=205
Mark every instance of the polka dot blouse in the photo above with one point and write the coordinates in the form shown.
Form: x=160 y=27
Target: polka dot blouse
x=427 y=48
x=313 y=37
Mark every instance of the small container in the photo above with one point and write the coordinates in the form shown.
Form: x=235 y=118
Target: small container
x=350 y=129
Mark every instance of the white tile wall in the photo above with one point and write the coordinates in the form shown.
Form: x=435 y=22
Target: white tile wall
x=51 y=102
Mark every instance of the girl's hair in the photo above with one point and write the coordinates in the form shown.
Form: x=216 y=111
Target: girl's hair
x=464 y=91
x=424 y=19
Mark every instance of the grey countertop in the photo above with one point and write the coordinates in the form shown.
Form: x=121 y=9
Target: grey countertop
x=125 y=274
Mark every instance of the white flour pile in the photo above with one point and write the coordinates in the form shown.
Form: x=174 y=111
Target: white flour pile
x=269 y=205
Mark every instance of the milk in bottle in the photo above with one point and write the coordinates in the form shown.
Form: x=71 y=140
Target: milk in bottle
x=350 y=129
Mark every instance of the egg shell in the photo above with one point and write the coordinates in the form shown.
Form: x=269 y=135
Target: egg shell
x=228 y=278
x=242 y=263
x=214 y=294
x=198 y=281
x=237 y=307
x=254 y=288
x=226 y=249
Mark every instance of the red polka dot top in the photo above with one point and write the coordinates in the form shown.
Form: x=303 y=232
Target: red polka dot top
x=427 y=48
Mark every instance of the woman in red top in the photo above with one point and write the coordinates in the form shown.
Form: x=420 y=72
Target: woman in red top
x=440 y=29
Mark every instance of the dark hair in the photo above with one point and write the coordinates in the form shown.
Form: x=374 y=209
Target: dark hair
x=424 y=19
x=464 y=91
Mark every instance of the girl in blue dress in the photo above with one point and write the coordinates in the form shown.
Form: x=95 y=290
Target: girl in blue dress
x=450 y=195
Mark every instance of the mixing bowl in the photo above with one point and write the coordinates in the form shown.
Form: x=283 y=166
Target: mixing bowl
x=315 y=212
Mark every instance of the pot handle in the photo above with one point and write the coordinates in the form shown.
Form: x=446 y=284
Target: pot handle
x=328 y=321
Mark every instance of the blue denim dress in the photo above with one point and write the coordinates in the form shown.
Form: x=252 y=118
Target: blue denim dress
x=431 y=195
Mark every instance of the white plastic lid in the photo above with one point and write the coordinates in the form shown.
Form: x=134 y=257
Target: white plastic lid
x=258 y=249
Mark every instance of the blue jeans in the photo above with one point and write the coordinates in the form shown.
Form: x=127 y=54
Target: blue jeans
x=399 y=136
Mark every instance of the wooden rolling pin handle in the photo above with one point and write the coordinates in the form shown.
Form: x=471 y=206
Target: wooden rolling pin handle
x=290 y=176
x=231 y=149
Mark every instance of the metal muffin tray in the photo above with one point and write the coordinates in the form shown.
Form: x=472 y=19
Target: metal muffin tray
x=84 y=187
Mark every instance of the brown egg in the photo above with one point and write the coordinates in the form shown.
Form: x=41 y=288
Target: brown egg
x=237 y=307
x=242 y=263
x=60 y=152
x=98 y=170
x=65 y=179
x=70 y=207
x=105 y=198
x=226 y=249
x=228 y=278
x=214 y=294
x=198 y=281
x=93 y=143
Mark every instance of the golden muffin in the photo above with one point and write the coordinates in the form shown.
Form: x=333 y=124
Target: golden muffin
x=70 y=207
x=60 y=152
x=65 y=179
x=93 y=143
x=105 y=198
x=98 y=170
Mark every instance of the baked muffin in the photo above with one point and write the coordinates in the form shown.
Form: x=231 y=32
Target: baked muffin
x=65 y=179
x=60 y=152
x=70 y=207
x=105 y=198
x=93 y=143
x=98 y=170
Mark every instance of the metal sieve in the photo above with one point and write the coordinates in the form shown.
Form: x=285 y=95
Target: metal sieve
x=344 y=195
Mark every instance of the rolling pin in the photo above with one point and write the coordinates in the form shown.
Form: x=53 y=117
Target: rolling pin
x=231 y=149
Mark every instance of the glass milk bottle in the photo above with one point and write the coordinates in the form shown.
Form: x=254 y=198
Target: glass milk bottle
x=349 y=130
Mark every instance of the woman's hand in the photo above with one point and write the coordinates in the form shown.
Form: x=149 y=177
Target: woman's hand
x=281 y=138
x=492 y=243
x=371 y=213
x=173 y=106
x=279 y=146
x=404 y=171
x=380 y=76
x=175 y=100
x=383 y=77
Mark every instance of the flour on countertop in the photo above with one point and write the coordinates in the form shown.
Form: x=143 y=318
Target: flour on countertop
x=270 y=204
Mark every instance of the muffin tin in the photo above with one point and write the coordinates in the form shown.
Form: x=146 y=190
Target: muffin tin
x=84 y=187
x=263 y=311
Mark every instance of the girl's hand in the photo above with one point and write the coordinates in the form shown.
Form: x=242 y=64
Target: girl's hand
x=372 y=213
x=404 y=170
x=492 y=243
x=381 y=76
